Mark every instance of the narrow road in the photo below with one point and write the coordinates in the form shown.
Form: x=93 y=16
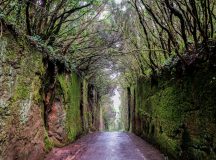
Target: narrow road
x=107 y=146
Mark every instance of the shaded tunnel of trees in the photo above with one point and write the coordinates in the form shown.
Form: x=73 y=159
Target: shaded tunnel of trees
x=61 y=61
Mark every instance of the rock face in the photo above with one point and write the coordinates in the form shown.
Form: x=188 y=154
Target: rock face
x=40 y=103
x=26 y=141
x=55 y=120
x=71 y=107
x=179 y=115
x=21 y=122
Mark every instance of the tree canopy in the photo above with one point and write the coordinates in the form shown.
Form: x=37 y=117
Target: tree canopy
x=102 y=38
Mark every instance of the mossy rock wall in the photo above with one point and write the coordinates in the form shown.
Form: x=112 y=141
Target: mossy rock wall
x=179 y=116
x=71 y=87
x=74 y=109
x=70 y=108
x=21 y=123
x=40 y=106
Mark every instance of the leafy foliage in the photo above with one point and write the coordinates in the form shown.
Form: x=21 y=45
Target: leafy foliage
x=131 y=39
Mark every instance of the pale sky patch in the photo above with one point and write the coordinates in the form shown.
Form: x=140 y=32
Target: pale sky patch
x=118 y=1
x=124 y=8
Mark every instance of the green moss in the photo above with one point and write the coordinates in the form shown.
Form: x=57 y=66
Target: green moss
x=85 y=105
x=165 y=109
x=36 y=86
x=26 y=84
x=168 y=145
x=48 y=143
x=20 y=72
x=64 y=86
x=72 y=94
x=21 y=91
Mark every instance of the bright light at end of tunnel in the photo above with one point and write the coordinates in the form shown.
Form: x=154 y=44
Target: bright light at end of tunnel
x=104 y=14
x=118 y=1
x=116 y=102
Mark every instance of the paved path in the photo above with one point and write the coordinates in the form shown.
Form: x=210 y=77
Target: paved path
x=107 y=146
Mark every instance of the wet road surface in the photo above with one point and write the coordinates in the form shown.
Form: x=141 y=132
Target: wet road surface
x=107 y=146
